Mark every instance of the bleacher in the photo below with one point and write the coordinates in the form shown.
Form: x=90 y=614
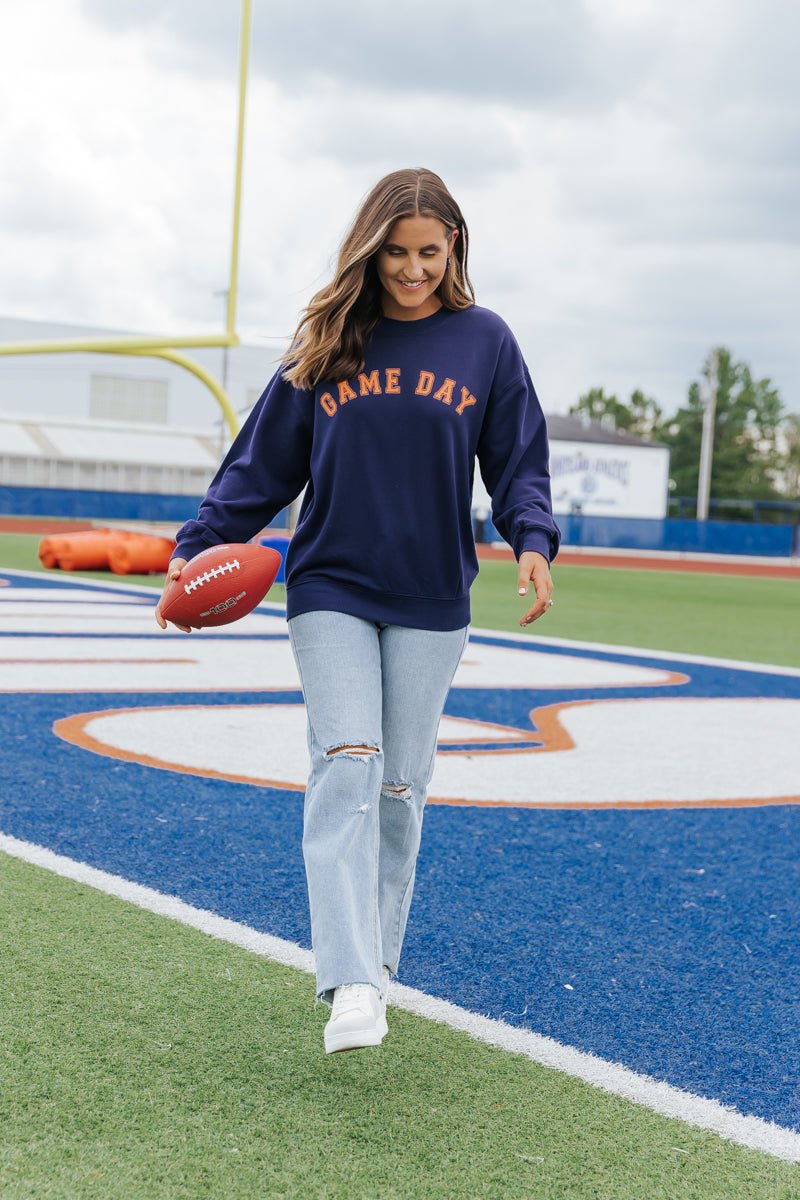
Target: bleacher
x=105 y=456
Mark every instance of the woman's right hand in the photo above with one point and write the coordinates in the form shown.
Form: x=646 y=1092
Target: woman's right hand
x=173 y=572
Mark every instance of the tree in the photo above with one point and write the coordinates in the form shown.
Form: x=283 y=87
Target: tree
x=746 y=435
x=756 y=443
x=642 y=416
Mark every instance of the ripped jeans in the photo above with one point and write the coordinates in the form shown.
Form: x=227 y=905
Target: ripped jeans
x=374 y=696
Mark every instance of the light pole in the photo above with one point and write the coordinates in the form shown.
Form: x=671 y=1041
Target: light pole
x=707 y=441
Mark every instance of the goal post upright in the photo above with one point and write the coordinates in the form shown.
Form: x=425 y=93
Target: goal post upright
x=244 y=57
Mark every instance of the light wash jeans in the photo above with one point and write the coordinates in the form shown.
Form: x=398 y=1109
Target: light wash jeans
x=383 y=687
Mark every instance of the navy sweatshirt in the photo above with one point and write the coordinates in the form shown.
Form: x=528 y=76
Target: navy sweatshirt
x=385 y=527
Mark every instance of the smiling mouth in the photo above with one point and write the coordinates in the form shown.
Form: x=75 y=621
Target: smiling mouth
x=411 y=287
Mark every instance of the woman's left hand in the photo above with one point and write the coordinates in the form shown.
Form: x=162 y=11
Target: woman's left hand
x=534 y=568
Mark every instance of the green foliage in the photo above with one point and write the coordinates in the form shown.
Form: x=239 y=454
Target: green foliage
x=747 y=424
x=641 y=416
x=756 y=442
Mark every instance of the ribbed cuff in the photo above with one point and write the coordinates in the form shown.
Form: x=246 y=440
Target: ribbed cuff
x=533 y=539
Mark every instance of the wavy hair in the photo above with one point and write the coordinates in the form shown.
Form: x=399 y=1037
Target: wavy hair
x=335 y=326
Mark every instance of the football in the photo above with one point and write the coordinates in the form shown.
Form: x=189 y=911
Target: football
x=221 y=585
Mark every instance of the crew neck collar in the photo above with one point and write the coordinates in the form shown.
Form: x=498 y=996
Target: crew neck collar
x=421 y=323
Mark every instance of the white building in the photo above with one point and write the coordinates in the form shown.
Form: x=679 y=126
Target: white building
x=599 y=473
x=107 y=423
x=602 y=473
x=130 y=388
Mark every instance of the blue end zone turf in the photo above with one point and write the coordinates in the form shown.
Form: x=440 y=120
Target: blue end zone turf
x=661 y=938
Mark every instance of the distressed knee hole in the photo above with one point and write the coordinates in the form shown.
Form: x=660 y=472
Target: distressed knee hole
x=397 y=791
x=358 y=751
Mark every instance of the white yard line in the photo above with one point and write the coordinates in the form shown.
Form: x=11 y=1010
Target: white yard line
x=518 y=639
x=702 y=660
x=610 y=1077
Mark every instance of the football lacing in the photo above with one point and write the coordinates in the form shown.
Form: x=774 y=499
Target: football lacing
x=213 y=573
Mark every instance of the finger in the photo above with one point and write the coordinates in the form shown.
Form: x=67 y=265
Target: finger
x=163 y=624
x=534 y=612
x=543 y=585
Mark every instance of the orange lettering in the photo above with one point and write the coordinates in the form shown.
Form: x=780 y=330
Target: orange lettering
x=369 y=384
x=329 y=404
x=445 y=392
x=393 y=381
x=467 y=399
x=425 y=384
x=345 y=392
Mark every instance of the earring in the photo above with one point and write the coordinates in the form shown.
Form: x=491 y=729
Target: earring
x=448 y=260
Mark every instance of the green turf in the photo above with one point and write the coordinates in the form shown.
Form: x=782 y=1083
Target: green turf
x=739 y=617
x=725 y=616
x=142 y=1060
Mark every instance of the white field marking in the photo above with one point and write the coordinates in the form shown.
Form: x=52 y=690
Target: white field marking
x=76 y=619
x=66 y=579
x=53 y=664
x=266 y=744
x=268 y=664
x=17 y=595
x=46 y=614
x=617 y=1080
x=114 y=583
x=484 y=666
x=524 y=639
x=670 y=656
x=676 y=555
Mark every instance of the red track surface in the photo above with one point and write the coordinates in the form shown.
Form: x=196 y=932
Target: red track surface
x=43 y=525
x=633 y=562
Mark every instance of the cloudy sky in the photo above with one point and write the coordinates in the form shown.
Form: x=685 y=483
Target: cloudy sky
x=629 y=169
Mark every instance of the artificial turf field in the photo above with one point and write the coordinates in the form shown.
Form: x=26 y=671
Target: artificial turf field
x=144 y=1059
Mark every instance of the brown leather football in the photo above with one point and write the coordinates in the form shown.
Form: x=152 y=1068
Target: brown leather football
x=221 y=584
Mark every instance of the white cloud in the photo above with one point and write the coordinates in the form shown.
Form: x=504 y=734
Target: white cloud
x=627 y=167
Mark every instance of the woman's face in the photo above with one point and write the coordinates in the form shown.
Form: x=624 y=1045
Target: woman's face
x=411 y=265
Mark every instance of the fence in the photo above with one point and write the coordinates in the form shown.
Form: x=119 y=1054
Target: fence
x=105 y=506
x=670 y=534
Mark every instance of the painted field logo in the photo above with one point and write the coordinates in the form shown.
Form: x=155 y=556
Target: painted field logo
x=224 y=605
x=527 y=724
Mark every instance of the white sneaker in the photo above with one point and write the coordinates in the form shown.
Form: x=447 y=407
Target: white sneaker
x=358 y=1018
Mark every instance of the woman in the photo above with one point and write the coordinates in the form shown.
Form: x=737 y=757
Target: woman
x=395 y=381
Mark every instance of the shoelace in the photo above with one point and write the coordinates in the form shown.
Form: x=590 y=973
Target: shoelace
x=355 y=995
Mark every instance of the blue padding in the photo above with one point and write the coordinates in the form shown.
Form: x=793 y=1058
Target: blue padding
x=281 y=544
x=710 y=537
x=106 y=506
x=641 y=533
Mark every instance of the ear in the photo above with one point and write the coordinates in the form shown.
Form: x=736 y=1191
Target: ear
x=453 y=237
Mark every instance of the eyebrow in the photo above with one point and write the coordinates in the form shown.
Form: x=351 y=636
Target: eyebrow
x=394 y=246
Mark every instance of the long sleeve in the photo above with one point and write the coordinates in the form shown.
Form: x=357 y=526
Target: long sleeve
x=514 y=459
x=265 y=468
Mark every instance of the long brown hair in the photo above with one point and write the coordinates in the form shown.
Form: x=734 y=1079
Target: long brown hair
x=330 y=338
